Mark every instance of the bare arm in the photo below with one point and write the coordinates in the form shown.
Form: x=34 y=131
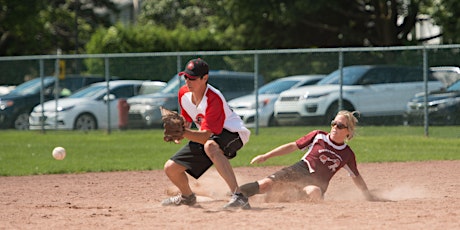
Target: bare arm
x=281 y=150
x=359 y=182
x=199 y=136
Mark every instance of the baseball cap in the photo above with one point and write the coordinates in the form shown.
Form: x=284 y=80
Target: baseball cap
x=195 y=68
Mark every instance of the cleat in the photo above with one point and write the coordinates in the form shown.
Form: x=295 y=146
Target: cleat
x=238 y=201
x=180 y=200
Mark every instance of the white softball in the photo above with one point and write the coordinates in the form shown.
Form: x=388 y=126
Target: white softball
x=59 y=153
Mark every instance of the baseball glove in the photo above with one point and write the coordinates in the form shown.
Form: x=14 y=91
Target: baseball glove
x=174 y=125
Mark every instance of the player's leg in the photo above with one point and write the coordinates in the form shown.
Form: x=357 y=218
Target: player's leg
x=257 y=187
x=222 y=165
x=191 y=159
x=314 y=193
x=288 y=174
x=220 y=148
x=225 y=170
x=176 y=174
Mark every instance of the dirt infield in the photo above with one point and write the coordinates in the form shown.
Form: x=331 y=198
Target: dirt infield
x=426 y=196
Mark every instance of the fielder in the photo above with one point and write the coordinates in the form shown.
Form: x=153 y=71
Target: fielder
x=219 y=136
x=326 y=153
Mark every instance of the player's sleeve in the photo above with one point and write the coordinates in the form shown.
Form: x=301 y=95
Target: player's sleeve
x=215 y=115
x=184 y=113
x=351 y=166
x=306 y=140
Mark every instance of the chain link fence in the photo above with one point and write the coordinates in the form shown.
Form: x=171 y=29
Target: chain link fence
x=271 y=64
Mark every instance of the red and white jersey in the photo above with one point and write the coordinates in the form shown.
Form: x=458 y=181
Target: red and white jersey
x=213 y=113
x=324 y=157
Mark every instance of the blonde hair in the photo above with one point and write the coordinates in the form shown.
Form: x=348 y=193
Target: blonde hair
x=352 y=121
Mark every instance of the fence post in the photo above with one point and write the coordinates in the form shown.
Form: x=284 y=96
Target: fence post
x=256 y=87
x=179 y=69
x=341 y=79
x=42 y=93
x=425 y=98
x=107 y=79
x=56 y=87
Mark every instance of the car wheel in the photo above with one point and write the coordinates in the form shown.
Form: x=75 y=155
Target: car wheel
x=22 y=122
x=333 y=109
x=272 y=121
x=85 y=122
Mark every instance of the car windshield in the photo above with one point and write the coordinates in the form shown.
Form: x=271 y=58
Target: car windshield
x=276 y=87
x=31 y=87
x=454 y=87
x=89 y=91
x=350 y=76
x=173 y=85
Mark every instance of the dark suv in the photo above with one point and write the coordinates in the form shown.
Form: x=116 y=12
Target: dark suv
x=144 y=110
x=16 y=106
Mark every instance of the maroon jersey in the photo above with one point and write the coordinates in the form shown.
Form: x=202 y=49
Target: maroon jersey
x=324 y=157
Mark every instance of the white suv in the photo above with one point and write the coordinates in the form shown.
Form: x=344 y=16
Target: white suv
x=375 y=91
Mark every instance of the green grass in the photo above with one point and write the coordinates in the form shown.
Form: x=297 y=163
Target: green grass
x=29 y=152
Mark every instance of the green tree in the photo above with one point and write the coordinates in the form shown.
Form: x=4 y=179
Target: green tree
x=261 y=24
x=146 y=38
x=42 y=26
x=192 y=14
x=19 y=27
x=447 y=14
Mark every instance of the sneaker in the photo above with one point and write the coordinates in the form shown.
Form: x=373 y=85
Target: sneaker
x=179 y=200
x=238 y=201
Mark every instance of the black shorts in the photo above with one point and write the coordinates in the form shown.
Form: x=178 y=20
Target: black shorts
x=299 y=175
x=193 y=157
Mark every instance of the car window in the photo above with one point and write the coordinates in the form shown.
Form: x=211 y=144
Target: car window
x=411 y=75
x=454 y=87
x=277 y=87
x=351 y=75
x=32 y=87
x=125 y=91
x=89 y=91
x=232 y=84
x=376 y=76
x=71 y=84
x=312 y=82
x=173 y=85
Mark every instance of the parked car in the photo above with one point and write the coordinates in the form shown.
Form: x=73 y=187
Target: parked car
x=443 y=107
x=6 y=89
x=446 y=74
x=16 y=106
x=149 y=87
x=245 y=106
x=86 y=109
x=376 y=91
x=144 y=110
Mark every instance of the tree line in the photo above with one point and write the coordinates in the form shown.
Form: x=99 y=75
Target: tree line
x=39 y=27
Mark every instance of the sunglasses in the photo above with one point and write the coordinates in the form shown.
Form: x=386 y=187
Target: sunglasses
x=338 y=124
x=190 y=79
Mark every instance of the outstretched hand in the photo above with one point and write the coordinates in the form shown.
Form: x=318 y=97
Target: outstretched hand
x=258 y=159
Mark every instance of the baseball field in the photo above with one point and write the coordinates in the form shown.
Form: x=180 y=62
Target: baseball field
x=115 y=181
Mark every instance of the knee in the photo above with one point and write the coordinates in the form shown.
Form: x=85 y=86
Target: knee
x=169 y=167
x=314 y=192
x=211 y=148
x=265 y=185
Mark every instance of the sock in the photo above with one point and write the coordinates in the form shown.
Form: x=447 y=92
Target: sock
x=250 y=189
